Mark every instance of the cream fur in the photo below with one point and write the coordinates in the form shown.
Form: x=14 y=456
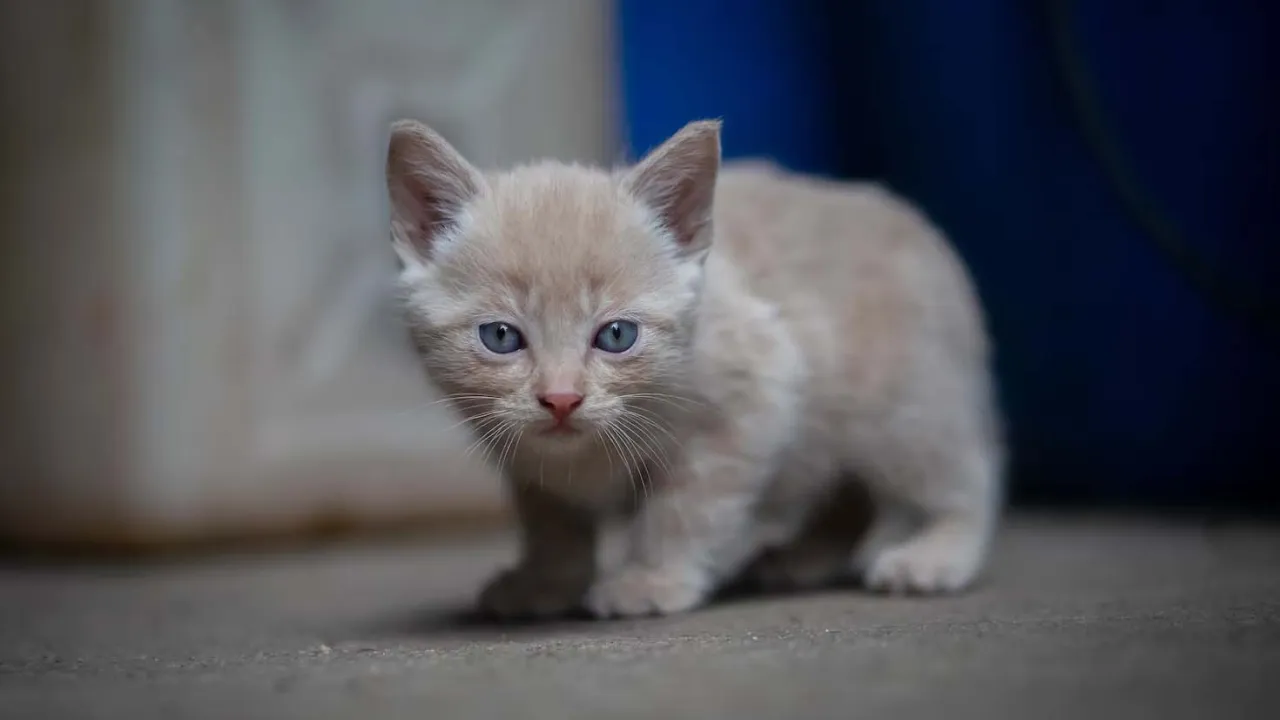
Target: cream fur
x=796 y=335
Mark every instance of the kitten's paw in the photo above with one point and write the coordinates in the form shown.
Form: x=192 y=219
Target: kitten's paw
x=923 y=566
x=526 y=594
x=637 y=590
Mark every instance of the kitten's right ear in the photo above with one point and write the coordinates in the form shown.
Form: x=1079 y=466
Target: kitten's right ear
x=428 y=183
x=678 y=182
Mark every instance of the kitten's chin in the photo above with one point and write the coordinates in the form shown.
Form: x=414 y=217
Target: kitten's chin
x=560 y=440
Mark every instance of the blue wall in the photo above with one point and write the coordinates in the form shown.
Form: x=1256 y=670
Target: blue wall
x=1123 y=380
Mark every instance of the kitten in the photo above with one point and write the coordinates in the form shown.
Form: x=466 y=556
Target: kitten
x=716 y=352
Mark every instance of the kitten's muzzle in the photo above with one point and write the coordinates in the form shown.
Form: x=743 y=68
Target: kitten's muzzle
x=560 y=405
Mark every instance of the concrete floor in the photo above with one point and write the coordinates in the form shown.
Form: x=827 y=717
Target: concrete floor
x=1080 y=618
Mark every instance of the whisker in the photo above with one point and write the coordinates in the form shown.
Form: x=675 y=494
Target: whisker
x=632 y=422
x=607 y=455
x=502 y=452
x=623 y=455
x=464 y=396
x=515 y=447
x=492 y=442
x=508 y=449
x=480 y=430
x=644 y=429
x=655 y=423
x=474 y=419
x=636 y=473
x=609 y=440
x=630 y=460
x=452 y=400
x=637 y=454
x=665 y=396
x=487 y=439
x=642 y=439
x=679 y=402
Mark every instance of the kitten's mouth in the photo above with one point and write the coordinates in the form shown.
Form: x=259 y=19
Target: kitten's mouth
x=562 y=430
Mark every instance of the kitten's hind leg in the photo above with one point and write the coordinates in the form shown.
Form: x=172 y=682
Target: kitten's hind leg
x=954 y=503
x=818 y=555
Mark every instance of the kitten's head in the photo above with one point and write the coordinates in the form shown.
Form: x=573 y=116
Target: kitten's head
x=553 y=299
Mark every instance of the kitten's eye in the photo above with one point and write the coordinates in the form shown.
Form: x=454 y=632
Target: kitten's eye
x=618 y=336
x=501 y=338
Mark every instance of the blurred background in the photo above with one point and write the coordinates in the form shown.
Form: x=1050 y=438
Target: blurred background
x=198 y=342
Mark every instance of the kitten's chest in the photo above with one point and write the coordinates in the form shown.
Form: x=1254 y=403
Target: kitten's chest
x=598 y=479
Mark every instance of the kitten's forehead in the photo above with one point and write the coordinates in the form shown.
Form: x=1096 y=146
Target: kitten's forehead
x=561 y=227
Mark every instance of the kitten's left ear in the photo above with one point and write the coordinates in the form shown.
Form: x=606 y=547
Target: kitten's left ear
x=429 y=183
x=678 y=182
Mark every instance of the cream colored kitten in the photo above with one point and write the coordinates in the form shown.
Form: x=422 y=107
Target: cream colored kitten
x=618 y=350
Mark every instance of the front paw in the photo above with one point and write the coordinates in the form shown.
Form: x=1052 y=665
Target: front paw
x=925 y=566
x=523 y=593
x=637 y=590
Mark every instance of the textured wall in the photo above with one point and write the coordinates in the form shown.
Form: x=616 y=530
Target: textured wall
x=195 y=258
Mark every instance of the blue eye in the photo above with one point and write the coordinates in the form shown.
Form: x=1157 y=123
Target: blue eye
x=501 y=338
x=617 y=336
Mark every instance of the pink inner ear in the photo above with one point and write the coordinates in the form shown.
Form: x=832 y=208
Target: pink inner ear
x=428 y=181
x=433 y=214
x=690 y=212
x=678 y=181
x=683 y=198
x=414 y=217
x=427 y=206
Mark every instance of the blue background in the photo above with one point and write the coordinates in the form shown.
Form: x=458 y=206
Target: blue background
x=1123 y=381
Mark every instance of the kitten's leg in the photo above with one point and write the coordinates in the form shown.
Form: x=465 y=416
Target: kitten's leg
x=953 y=496
x=557 y=564
x=819 y=555
x=696 y=531
x=690 y=536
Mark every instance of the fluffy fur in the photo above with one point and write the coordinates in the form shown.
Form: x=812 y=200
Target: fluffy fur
x=796 y=337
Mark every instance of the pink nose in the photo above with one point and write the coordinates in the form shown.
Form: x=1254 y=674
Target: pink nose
x=560 y=405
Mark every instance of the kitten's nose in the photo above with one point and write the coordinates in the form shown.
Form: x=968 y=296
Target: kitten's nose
x=560 y=405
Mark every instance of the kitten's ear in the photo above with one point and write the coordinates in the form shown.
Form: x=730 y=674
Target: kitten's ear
x=428 y=183
x=678 y=181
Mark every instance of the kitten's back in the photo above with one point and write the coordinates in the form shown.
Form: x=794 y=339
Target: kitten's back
x=859 y=274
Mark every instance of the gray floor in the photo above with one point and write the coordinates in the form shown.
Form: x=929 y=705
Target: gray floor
x=1081 y=618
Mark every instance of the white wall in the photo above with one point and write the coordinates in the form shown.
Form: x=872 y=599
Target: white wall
x=197 y=336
